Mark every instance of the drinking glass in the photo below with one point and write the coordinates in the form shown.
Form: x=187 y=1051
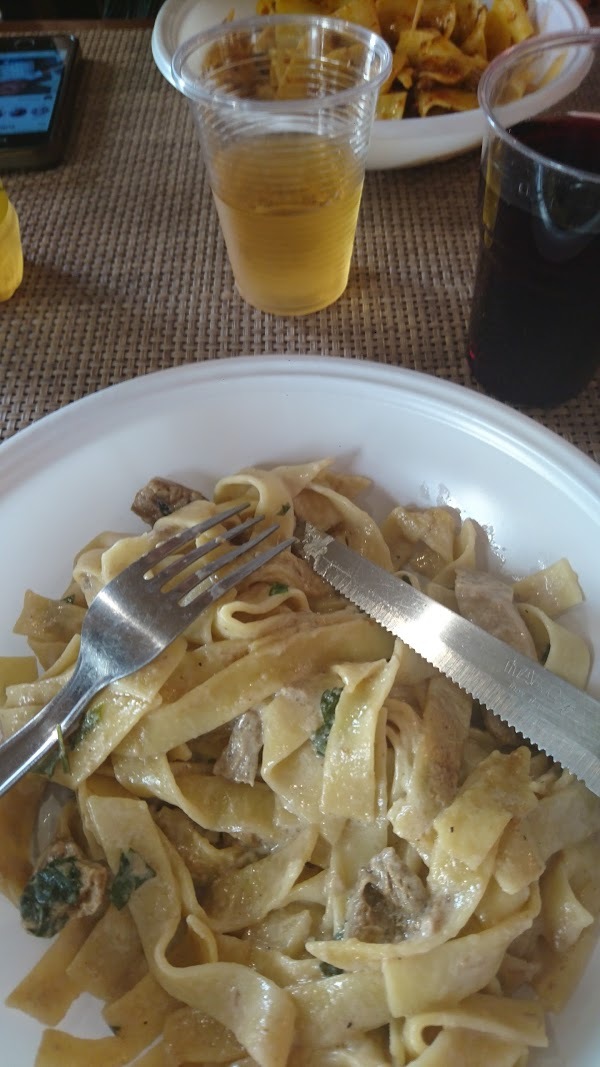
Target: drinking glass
x=534 y=332
x=284 y=108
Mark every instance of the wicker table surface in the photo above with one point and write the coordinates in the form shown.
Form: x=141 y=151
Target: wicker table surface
x=126 y=272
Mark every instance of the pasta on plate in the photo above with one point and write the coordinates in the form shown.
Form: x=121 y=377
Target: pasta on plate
x=289 y=841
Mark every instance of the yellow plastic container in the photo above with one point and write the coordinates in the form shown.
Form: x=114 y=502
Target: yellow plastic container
x=11 y=254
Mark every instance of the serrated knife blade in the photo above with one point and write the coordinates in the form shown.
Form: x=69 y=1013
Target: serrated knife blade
x=554 y=715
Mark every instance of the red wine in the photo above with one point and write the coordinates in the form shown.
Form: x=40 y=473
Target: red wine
x=534 y=333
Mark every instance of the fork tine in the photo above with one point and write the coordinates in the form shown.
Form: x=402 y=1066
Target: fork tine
x=182 y=562
x=236 y=576
x=180 y=539
x=215 y=565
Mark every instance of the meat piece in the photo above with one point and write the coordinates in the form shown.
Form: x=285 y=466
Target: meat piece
x=488 y=602
x=63 y=885
x=388 y=902
x=160 y=497
x=239 y=759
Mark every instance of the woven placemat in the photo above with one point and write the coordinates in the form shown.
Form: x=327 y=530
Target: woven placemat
x=126 y=271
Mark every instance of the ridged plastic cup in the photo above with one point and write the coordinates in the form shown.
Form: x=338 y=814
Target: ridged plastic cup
x=534 y=330
x=284 y=107
x=11 y=253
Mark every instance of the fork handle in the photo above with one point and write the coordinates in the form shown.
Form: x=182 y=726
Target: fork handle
x=23 y=749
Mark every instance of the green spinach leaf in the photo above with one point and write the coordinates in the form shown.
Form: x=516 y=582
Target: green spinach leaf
x=132 y=873
x=329 y=702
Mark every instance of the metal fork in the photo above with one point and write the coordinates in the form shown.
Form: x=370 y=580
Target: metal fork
x=130 y=621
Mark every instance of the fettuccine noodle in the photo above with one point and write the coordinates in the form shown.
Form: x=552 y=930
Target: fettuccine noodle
x=289 y=841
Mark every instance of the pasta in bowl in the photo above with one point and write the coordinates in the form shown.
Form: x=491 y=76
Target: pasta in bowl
x=395 y=142
x=289 y=841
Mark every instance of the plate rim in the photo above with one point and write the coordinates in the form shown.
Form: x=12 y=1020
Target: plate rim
x=494 y=421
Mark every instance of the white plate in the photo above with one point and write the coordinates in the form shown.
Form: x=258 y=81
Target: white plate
x=395 y=142
x=422 y=439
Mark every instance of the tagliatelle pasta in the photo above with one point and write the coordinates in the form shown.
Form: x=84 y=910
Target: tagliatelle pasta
x=289 y=841
x=440 y=47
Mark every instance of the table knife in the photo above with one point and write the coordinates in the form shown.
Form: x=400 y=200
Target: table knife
x=558 y=718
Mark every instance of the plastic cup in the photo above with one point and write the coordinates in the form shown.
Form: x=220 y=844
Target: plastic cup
x=534 y=332
x=11 y=253
x=284 y=108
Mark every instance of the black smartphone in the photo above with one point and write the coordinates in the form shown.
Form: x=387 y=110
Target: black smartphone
x=37 y=81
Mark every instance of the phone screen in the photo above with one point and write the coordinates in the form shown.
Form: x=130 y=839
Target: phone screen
x=29 y=85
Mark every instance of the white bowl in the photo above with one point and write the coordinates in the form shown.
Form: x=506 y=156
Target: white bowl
x=395 y=142
x=422 y=439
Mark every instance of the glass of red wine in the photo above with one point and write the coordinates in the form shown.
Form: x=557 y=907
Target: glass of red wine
x=534 y=331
